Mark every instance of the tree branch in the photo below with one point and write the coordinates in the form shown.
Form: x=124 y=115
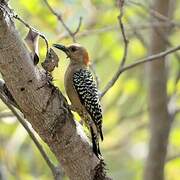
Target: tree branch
x=172 y=157
x=7 y=100
x=105 y=29
x=121 y=5
x=121 y=66
x=30 y=27
x=59 y=17
x=6 y=115
x=156 y=14
x=31 y=134
x=138 y=62
x=44 y=106
x=126 y=42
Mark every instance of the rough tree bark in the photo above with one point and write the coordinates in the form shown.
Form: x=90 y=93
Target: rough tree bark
x=44 y=106
x=159 y=117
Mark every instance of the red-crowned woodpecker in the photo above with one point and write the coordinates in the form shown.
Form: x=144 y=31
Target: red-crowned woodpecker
x=82 y=91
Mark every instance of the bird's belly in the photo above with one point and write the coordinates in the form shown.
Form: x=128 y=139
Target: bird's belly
x=74 y=98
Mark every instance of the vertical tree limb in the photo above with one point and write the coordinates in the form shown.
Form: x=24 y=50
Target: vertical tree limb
x=158 y=102
x=44 y=105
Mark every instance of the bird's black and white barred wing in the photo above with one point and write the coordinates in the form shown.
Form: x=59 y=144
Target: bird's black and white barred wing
x=88 y=94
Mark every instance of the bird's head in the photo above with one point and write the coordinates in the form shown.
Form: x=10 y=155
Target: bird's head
x=77 y=53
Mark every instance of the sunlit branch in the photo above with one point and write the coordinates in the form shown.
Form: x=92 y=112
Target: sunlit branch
x=59 y=17
x=173 y=157
x=55 y=171
x=137 y=33
x=90 y=32
x=155 y=13
x=125 y=40
x=138 y=62
x=30 y=27
x=6 y=115
x=121 y=4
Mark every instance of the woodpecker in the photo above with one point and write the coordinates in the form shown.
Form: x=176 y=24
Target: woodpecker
x=82 y=91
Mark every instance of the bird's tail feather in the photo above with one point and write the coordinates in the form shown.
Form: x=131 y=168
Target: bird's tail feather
x=101 y=134
x=95 y=143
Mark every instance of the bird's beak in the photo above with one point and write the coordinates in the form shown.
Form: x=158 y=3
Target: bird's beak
x=62 y=48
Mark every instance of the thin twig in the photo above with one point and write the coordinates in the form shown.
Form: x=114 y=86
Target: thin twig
x=31 y=134
x=121 y=5
x=59 y=17
x=151 y=58
x=11 y=14
x=137 y=33
x=78 y=27
x=177 y=111
x=6 y=115
x=155 y=13
x=172 y=157
x=138 y=62
x=126 y=42
x=105 y=29
x=30 y=27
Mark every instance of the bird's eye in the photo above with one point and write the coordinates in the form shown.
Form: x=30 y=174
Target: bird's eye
x=73 y=48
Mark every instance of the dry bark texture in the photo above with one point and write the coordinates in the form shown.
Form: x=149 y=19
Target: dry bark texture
x=159 y=117
x=43 y=105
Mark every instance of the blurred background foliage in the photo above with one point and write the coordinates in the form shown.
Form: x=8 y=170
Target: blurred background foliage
x=125 y=105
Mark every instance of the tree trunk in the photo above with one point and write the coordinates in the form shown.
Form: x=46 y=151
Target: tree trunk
x=44 y=106
x=159 y=117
